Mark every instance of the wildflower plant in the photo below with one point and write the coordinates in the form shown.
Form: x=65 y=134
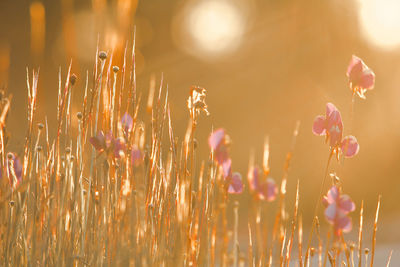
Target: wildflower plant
x=219 y=142
x=361 y=77
x=263 y=189
x=331 y=126
x=117 y=187
x=338 y=206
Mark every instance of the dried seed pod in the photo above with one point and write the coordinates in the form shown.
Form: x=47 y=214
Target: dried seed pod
x=195 y=143
x=103 y=55
x=73 y=78
x=79 y=115
x=40 y=126
x=115 y=69
x=312 y=252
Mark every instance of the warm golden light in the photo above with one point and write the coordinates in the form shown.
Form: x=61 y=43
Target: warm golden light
x=380 y=21
x=216 y=26
x=37 y=14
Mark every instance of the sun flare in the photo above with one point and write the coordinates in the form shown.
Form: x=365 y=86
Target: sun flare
x=380 y=22
x=215 y=26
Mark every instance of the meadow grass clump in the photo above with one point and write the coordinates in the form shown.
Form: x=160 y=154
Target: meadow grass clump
x=115 y=188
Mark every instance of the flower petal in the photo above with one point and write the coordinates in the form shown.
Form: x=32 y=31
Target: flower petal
x=319 y=125
x=355 y=67
x=254 y=178
x=97 y=144
x=119 y=147
x=268 y=190
x=221 y=154
x=367 y=79
x=350 y=146
x=329 y=109
x=330 y=213
x=227 y=168
x=17 y=167
x=216 y=138
x=136 y=156
x=108 y=139
x=346 y=204
x=332 y=195
x=236 y=185
x=335 y=127
x=325 y=201
x=127 y=122
x=343 y=222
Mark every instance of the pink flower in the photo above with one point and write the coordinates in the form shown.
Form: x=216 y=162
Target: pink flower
x=136 y=156
x=236 y=184
x=227 y=168
x=234 y=180
x=127 y=122
x=264 y=190
x=361 y=78
x=14 y=166
x=338 y=206
x=332 y=127
x=107 y=143
x=218 y=144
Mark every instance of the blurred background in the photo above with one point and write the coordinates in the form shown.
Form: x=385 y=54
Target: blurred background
x=265 y=65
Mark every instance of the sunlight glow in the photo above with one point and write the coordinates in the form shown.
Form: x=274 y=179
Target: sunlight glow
x=380 y=21
x=216 y=26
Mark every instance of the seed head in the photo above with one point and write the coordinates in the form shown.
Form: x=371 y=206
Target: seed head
x=115 y=69
x=312 y=252
x=103 y=55
x=79 y=115
x=72 y=79
x=40 y=126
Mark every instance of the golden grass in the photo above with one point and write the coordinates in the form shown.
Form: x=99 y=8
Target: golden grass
x=77 y=206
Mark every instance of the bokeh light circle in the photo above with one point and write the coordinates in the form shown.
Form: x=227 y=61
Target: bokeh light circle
x=380 y=22
x=215 y=26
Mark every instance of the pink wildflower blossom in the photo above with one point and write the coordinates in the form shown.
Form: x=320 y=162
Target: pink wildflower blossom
x=218 y=143
x=136 y=156
x=332 y=127
x=233 y=180
x=264 y=190
x=361 y=78
x=14 y=169
x=338 y=206
x=127 y=122
x=107 y=143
